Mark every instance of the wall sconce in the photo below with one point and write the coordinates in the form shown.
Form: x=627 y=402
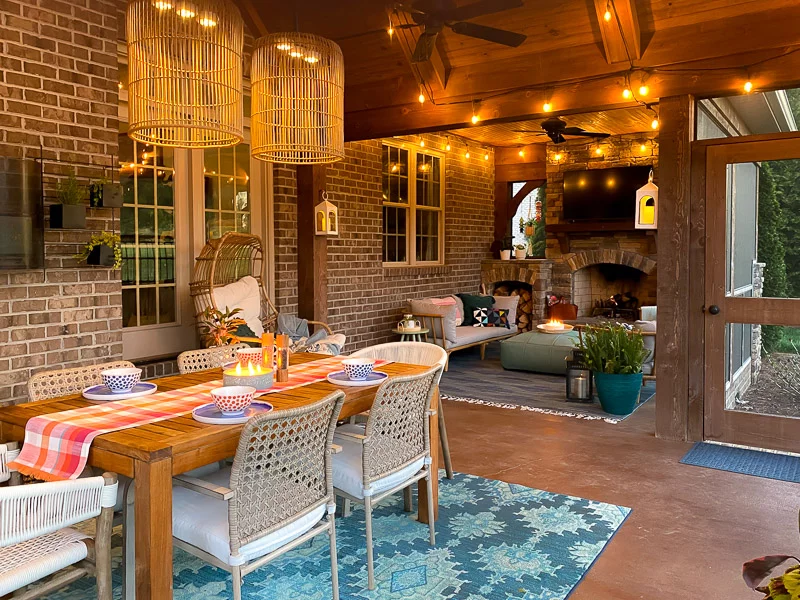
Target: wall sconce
x=647 y=205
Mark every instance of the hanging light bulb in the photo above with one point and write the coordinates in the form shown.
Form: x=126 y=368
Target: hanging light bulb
x=642 y=148
x=644 y=90
x=475 y=119
x=598 y=151
x=390 y=30
x=522 y=153
x=654 y=124
x=547 y=107
x=421 y=97
x=558 y=156
x=486 y=156
x=447 y=147
x=422 y=143
x=748 y=86
x=627 y=94
x=607 y=14
x=467 y=154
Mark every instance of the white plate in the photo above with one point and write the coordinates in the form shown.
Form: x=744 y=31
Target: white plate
x=341 y=378
x=564 y=329
x=210 y=414
x=101 y=392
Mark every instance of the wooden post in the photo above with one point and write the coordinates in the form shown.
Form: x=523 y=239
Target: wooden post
x=677 y=116
x=312 y=250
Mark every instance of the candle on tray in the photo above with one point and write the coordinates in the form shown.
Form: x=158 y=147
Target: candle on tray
x=248 y=374
x=554 y=325
x=282 y=357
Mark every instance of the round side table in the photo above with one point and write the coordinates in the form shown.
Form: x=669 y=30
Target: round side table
x=418 y=335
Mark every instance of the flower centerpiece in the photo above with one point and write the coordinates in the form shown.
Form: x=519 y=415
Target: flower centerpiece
x=103 y=250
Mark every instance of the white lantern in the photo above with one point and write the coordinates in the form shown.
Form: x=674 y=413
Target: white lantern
x=326 y=217
x=647 y=205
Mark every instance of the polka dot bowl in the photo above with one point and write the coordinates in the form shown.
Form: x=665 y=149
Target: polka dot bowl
x=233 y=399
x=358 y=369
x=121 y=381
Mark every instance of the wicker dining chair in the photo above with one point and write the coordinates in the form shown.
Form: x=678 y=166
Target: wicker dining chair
x=277 y=495
x=416 y=353
x=8 y=452
x=391 y=452
x=36 y=541
x=62 y=382
x=192 y=361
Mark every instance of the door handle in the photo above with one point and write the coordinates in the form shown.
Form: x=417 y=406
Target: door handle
x=713 y=309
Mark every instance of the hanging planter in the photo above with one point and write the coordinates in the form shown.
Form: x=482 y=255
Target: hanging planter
x=103 y=250
x=70 y=212
x=103 y=194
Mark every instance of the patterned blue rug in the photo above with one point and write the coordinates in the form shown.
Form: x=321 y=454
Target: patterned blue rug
x=494 y=541
x=745 y=461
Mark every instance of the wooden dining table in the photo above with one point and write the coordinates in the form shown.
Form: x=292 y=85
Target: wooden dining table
x=151 y=454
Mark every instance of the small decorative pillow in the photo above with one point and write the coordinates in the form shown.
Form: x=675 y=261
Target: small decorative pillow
x=481 y=317
x=498 y=317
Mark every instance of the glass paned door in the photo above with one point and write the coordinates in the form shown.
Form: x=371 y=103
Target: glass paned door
x=752 y=332
x=226 y=184
x=147 y=229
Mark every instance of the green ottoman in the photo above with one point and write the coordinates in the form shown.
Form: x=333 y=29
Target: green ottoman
x=539 y=352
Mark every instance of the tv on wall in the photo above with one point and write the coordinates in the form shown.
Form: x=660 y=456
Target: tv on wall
x=602 y=194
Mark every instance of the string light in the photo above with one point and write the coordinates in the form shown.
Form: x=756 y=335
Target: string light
x=486 y=156
x=390 y=31
x=607 y=14
x=422 y=143
x=547 y=107
x=558 y=156
x=643 y=148
x=447 y=147
x=748 y=86
x=466 y=155
x=475 y=119
x=654 y=124
x=421 y=95
x=598 y=151
x=522 y=153
x=644 y=89
x=627 y=93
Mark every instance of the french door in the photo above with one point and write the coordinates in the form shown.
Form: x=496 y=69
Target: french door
x=752 y=292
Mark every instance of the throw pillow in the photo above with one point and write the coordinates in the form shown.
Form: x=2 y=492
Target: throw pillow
x=471 y=302
x=481 y=317
x=424 y=306
x=498 y=317
x=451 y=301
x=510 y=303
x=244 y=294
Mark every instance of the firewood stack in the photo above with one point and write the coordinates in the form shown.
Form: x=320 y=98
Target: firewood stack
x=524 y=308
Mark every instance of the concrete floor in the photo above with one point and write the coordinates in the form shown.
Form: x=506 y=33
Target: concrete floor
x=691 y=528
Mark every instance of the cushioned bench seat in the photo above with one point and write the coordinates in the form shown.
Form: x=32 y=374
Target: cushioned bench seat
x=467 y=334
x=538 y=352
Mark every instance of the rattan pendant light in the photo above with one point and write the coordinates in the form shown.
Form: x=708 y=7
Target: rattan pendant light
x=298 y=99
x=185 y=73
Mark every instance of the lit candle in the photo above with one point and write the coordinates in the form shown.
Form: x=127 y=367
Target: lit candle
x=249 y=374
x=554 y=325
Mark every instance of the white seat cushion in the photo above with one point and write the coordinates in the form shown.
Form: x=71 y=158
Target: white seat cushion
x=348 y=474
x=467 y=334
x=244 y=294
x=202 y=521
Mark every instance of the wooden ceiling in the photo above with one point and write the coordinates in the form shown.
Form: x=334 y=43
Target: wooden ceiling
x=572 y=56
x=616 y=122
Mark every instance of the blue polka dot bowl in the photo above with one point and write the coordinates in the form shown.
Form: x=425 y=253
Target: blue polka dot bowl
x=358 y=369
x=121 y=381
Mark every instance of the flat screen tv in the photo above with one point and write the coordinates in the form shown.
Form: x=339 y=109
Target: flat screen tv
x=602 y=194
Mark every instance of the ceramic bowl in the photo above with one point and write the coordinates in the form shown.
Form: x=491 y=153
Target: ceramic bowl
x=233 y=399
x=358 y=369
x=121 y=380
x=247 y=356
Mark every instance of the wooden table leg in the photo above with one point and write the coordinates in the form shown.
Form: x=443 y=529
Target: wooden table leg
x=436 y=445
x=153 y=506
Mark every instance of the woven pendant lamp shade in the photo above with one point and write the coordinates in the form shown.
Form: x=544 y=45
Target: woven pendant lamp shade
x=297 y=99
x=185 y=73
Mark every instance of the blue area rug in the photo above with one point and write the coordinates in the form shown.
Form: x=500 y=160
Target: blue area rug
x=744 y=461
x=494 y=540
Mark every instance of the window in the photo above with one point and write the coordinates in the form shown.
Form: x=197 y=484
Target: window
x=226 y=180
x=147 y=231
x=413 y=206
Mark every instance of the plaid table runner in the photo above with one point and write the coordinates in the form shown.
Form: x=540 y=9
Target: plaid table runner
x=57 y=445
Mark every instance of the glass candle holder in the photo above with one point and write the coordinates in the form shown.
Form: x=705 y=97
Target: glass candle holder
x=282 y=357
x=268 y=350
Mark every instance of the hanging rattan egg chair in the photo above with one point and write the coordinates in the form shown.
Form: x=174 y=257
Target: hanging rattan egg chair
x=226 y=260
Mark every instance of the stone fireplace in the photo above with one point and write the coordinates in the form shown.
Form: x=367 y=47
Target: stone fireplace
x=528 y=279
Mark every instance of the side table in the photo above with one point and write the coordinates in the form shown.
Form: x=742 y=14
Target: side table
x=417 y=335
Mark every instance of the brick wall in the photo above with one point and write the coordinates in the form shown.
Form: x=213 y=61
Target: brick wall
x=366 y=299
x=58 y=89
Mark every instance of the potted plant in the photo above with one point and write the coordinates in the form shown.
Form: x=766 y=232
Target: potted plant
x=505 y=254
x=758 y=574
x=520 y=251
x=103 y=250
x=104 y=194
x=70 y=212
x=218 y=328
x=615 y=355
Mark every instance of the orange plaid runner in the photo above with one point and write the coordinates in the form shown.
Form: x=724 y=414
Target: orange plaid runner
x=57 y=445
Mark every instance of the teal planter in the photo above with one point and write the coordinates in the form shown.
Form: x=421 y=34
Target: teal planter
x=618 y=393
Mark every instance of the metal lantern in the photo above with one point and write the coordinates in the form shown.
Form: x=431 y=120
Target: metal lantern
x=297 y=112
x=326 y=217
x=185 y=73
x=647 y=205
x=579 y=379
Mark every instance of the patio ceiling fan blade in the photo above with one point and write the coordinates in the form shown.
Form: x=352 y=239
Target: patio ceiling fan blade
x=490 y=34
x=425 y=45
x=582 y=132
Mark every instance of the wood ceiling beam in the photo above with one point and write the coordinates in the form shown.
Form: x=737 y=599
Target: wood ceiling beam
x=434 y=72
x=588 y=96
x=622 y=36
x=253 y=18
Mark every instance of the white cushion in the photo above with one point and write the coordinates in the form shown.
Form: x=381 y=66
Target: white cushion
x=467 y=334
x=348 y=474
x=202 y=521
x=244 y=294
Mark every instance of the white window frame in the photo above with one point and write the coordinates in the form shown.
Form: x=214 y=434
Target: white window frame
x=411 y=206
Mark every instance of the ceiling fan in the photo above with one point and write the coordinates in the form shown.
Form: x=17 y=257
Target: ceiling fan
x=556 y=129
x=434 y=15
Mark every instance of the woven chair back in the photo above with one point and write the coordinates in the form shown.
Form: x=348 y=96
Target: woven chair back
x=414 y=353
x=192 y=361
x=226 y=260
x=282 y=469
x=398 y=430
x=63 y=382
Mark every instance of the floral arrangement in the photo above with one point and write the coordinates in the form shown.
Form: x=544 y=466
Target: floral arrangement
x=218 y=328
x=757 y=574
x=112 y=240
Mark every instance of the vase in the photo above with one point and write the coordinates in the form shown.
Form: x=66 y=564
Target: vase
x=520 y=254
x=505 y=254
x=618 y=393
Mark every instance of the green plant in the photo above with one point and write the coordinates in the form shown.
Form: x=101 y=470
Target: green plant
x=520 y=247
x=112 y=240
x=96 y=190
x=757 y=574
x=218 y=328
x=69 y=191
x=613 y=349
